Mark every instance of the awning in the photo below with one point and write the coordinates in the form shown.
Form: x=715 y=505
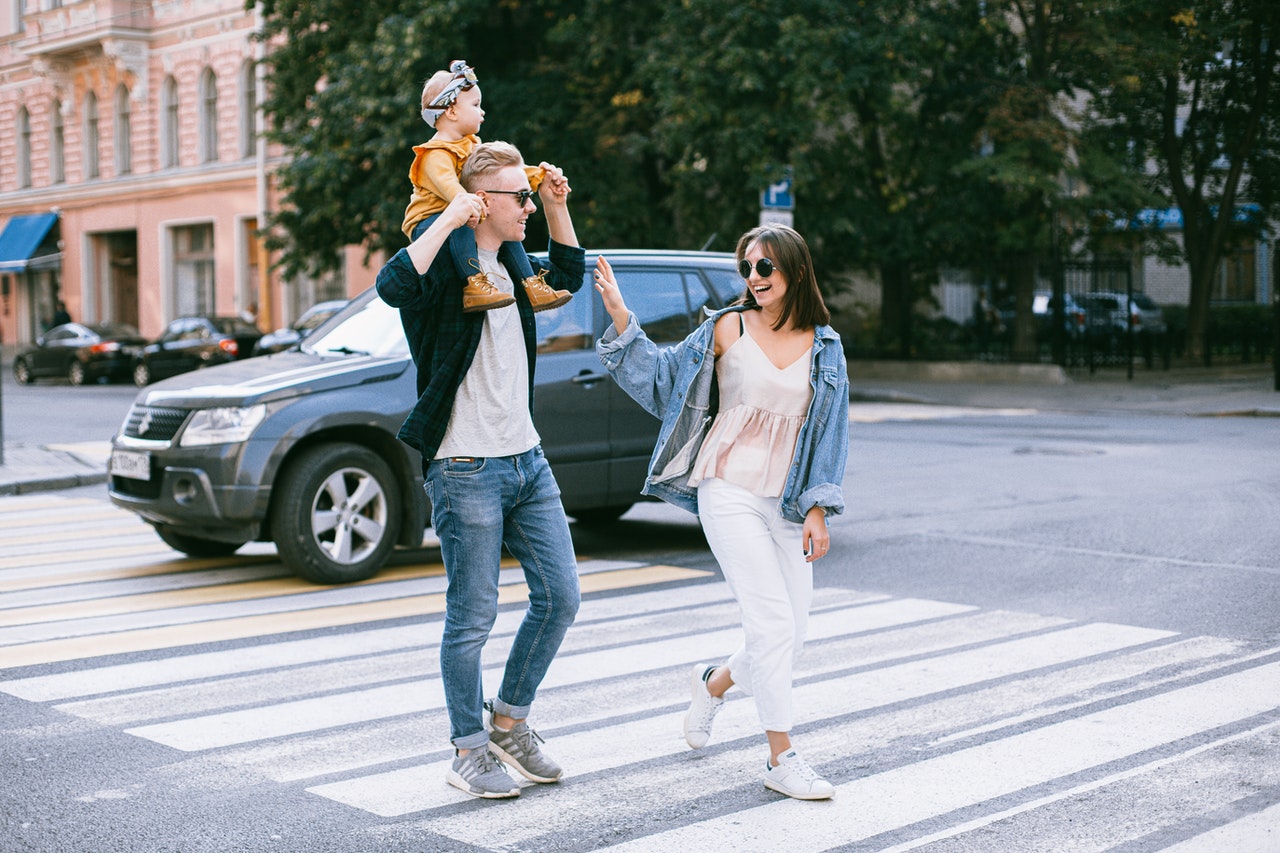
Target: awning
x=21 y=238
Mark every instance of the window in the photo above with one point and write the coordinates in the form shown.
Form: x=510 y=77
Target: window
x=24 y=148
x=20 y=12
x=193 y=269
x=657 y=298
x=90 y=135
x=124 y=132
x=208 y=116
x=57 y=138
x=1236 y=280
x=169 y=123
x=248 y=109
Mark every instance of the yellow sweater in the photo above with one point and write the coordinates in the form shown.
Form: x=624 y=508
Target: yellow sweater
x=434 y=175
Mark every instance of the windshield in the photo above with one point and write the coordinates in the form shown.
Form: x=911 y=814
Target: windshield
x=374 y=329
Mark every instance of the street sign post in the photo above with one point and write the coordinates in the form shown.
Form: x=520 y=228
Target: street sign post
x=778 y=202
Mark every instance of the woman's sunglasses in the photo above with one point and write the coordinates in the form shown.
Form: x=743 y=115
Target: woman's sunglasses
x=764 y=268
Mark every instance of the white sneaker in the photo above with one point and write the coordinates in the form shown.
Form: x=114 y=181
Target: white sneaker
x=702 y=708
x=795 y=778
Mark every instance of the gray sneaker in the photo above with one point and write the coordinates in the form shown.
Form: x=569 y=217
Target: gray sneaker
x=480 y=774
x=519 y=748
x=703 y=708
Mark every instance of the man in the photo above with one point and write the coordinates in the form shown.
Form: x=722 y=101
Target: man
x=485 y=474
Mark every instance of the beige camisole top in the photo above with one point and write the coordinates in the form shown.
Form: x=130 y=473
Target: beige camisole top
x=762 y=407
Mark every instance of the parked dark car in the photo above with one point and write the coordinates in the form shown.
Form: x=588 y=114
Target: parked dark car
x=300 y=448
x=282 y=339
x=80 y=353
x=189 y=343
x=1110 y=317
x=1073 y=317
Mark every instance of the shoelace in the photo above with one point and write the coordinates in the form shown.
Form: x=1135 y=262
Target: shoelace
x=485 y=760
x=525 y=737
x=802 y=769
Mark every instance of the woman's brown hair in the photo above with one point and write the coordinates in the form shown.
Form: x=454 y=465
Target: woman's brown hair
x=803 y=302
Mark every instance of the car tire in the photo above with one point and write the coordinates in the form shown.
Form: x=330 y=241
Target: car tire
x=141 y=374
x=599 y=515
x=196 y=546
x=22 y=372
x=76 y=372
x=335 y=513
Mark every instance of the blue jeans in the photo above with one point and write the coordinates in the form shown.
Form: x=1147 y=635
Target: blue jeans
x=479 y=505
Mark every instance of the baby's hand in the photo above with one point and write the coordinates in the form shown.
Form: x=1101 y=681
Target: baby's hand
x=553 y=182
x=464 y=209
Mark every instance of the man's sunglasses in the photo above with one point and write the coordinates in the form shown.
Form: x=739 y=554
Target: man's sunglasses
x=522 y=196
x=764 y=268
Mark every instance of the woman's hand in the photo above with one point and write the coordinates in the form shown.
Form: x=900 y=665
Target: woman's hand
x=815 y=537
x=607 y=285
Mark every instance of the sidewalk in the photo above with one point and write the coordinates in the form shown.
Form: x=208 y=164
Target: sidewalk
x=1239 y=391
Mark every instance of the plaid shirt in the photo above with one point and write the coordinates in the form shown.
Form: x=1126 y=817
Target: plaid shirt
x=443 y=340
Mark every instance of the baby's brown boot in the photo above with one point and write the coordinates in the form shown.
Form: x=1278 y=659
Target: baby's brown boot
x=541 y=295
x=479 y=294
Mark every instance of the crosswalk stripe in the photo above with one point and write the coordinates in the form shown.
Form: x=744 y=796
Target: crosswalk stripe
x=60 y=555
x=634 y=741
x=220 y=730
x=59 y=518
x=238 y=628
x=929 y=788
x=194 y=597
x=282 y=654
x=943 y=725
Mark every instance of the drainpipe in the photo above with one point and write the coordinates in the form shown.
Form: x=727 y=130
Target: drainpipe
x=265 y=317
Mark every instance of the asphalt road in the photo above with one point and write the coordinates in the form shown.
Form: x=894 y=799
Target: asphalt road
x=1035 y=631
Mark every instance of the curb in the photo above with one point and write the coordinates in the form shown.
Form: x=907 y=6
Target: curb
x=51 y=483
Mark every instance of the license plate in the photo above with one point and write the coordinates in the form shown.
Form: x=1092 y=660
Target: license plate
x=133 y=464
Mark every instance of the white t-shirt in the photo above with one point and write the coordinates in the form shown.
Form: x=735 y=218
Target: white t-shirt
x=490 y=415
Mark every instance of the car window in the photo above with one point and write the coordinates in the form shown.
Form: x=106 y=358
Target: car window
x=727 y=284
x=62 y=333
x=657 y=298
x=569 y=326
x=373 y=330
x=175 y=330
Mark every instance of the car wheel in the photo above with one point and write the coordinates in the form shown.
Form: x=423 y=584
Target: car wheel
x=335 y=514
x=598 y=515
x=141 y=374
x=75 y=372
x=196 y=546
x=22 y=372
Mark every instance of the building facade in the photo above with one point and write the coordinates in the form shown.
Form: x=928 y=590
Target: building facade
x=132 y=176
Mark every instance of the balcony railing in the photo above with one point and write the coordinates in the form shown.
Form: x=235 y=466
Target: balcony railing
x=76 y=26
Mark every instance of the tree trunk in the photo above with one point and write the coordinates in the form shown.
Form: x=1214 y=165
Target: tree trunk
x=1022 y=279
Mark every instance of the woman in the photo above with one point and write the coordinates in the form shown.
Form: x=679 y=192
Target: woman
x=754 y=437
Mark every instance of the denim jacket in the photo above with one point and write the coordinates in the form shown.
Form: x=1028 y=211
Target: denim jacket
x=677 y=384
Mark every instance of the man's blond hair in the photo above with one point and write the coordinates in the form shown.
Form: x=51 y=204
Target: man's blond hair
x=488 y=158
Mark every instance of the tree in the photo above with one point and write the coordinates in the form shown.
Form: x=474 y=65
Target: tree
x=345 y=78
x=1198 y=95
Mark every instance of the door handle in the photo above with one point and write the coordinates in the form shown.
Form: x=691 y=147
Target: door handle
x=586 y=377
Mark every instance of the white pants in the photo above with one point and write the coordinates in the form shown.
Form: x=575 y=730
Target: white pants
x=761 y=556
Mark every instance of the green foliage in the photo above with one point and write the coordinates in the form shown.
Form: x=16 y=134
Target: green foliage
x=981 y=134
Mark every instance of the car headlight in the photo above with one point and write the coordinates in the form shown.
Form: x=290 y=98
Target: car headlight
x=222 y=426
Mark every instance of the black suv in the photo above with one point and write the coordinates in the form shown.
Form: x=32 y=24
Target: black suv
x=300 y=447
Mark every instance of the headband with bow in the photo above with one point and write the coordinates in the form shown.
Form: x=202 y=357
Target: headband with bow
x=464 y=77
